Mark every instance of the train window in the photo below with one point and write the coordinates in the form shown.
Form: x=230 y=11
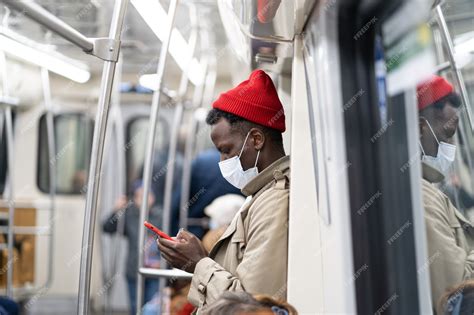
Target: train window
x=73 y=140
x=137 y=131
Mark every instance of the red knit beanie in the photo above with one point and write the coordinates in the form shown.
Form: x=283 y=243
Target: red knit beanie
x=255 y=100
x=432 y=90
x=266 y=10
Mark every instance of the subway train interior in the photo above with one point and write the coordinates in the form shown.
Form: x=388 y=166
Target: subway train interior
x=104 y=124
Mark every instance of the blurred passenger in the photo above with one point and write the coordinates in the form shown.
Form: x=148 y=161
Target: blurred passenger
x=450 y=235
x=158 y=177
x=458 y=300
x=247 y=123
x=129 y=211
x=221 y=212
x=207 y=184
x=79 y=181
x=242 y=303
x=8 y=306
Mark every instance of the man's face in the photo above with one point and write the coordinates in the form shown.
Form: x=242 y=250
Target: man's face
x=444 y=123
x=229 y=142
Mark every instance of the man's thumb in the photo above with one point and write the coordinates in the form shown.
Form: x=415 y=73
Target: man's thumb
x=183 y=235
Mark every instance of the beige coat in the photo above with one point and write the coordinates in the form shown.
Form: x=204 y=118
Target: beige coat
x=450 y=242
x=251 y=255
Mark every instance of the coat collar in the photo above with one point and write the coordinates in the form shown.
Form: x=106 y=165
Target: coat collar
x=459 y=215
x=266 y=176
x=236 y=227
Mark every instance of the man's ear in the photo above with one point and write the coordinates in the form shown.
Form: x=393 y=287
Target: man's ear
x=258 y=138
x=423 y=126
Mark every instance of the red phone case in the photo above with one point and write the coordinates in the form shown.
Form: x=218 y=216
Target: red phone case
x=157 y=231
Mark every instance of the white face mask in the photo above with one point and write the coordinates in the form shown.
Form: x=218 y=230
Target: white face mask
x=444 y=158
x=233 y=171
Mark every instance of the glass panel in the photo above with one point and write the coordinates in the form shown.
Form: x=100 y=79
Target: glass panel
x=459 y=18
x=316 y=120
x=73 y=137
x=445 y=141
x=137 y=133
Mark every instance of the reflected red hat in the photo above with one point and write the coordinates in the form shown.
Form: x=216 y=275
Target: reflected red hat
x=255 y=100
x=432 y=90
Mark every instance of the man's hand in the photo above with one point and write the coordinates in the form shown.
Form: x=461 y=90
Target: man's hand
x=184 y=253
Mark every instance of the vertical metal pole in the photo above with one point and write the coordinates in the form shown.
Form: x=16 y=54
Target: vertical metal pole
x=96 y=163
x=186 y=178
x=11 y=201
x=186 y=175
x=188 y=156
x=52 y=169
x=10 y=162
x=169 y=183
x=190 y=150
x=149 y=156
x=120 y=180
x=210 y=82
x=168 y=195
x=457 y=72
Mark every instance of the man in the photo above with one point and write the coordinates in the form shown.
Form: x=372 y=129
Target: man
x=450 y=235
x=247 y=123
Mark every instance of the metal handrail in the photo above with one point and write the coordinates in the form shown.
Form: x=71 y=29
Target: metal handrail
x=210 y=82
x=186 y=176
x=203 y=93
x=96 y=162
x=169 y=183
x=11 y=172
x=120 y=141
x=149 y=155
x=186 y=171
x=443 y=67
x=456 y=71
x=26 y=230
x=187 y=163
x=165 y=273
x=50 y=21
x=9 y=101
x=52 y=169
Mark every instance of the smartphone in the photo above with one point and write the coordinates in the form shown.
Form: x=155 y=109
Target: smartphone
x=157 y=231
